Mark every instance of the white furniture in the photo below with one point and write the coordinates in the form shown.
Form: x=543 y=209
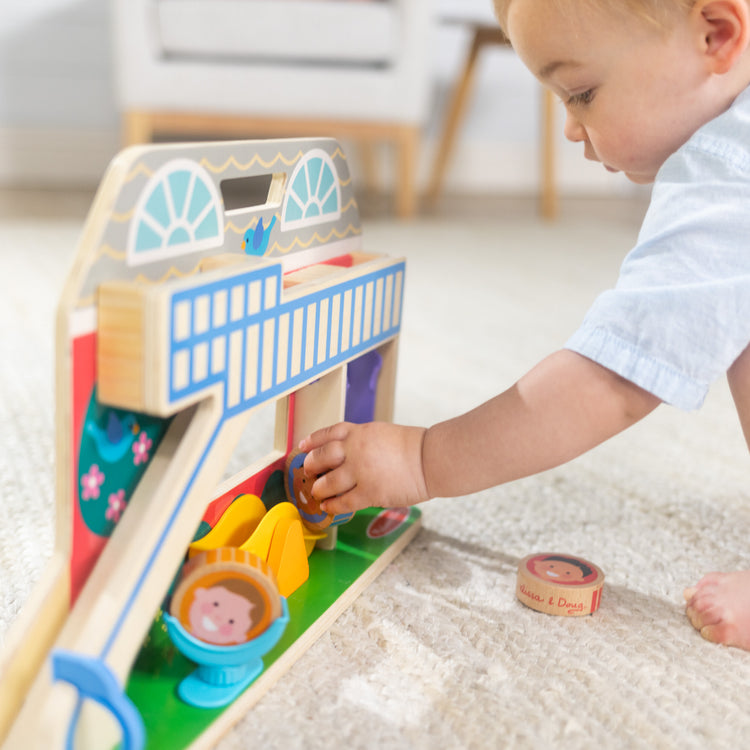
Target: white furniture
x=357 y=69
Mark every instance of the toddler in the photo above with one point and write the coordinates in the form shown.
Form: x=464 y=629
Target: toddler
x=656 y=89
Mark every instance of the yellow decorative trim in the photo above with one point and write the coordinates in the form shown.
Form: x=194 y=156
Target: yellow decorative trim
x=256 y=159
x=171 y=273
x=140 y=168
x=352 y=202
x=122 y=218
x=111 y=252
x=350 y=230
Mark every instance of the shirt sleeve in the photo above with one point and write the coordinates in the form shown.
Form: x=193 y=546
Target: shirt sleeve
x=679 y=314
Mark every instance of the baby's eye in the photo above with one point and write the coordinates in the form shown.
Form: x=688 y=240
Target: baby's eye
x=578 y=100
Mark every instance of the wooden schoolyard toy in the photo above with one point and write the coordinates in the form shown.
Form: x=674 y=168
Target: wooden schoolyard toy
x=210 y=280
x=556 y=584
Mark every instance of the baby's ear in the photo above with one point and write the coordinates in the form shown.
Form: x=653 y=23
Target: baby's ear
x=724 y=29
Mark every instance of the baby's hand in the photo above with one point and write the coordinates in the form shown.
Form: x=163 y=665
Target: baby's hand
x=362 y=465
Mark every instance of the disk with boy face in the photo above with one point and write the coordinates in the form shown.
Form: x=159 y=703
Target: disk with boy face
x=559 y=584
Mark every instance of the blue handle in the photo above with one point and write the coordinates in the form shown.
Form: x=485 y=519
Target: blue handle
x=93 y=679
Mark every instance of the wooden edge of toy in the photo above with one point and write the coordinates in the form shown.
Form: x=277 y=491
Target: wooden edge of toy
x=559 y=584
x=30 y=637
x=282 y=665
x=321 y=276
x=386 y=387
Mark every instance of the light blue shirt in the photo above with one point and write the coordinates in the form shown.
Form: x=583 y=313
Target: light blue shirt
x=679 y=314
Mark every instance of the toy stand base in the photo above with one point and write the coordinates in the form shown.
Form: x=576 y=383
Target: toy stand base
x=199 y=689
x=223 y=672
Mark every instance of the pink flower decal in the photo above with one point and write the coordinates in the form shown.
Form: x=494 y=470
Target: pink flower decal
x=91 y=483
x=141 y=447
x=116 y=506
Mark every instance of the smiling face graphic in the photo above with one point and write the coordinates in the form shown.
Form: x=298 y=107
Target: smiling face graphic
x=220 y=616
x=302 y=485
x=558 y=571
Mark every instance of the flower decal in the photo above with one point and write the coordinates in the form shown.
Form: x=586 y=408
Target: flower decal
x=141 y=448
x=91 y=482
x=116 y=506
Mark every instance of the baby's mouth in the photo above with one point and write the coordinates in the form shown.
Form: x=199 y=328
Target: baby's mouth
x=552 y=575
x=210 y=625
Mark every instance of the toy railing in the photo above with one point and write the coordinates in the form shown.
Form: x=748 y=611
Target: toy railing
x=235 y=327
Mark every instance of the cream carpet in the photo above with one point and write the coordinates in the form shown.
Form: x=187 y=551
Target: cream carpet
x=438 y=653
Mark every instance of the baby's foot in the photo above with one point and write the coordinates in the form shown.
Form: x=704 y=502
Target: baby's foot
x=719 y=607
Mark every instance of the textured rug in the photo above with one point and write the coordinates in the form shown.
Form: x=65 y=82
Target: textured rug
x=438 y=652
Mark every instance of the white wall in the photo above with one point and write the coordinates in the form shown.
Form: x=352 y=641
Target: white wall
x=59 y=122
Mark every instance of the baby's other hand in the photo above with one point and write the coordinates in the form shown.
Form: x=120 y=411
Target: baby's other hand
x=362 y=465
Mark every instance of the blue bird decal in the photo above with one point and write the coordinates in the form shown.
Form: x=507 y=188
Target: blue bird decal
x=113 y=441
x=255 y=240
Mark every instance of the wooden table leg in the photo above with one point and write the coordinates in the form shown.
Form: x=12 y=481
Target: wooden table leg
x=137 y=128
x=484 y=35
x=548 y=192
x=407 y=149
x=456 y=111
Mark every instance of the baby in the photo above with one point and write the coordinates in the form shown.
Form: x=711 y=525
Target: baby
x=656 y=89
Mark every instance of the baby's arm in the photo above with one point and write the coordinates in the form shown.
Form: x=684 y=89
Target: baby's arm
x=564 y=406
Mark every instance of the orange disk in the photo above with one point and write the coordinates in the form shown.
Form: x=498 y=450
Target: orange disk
x=559 y=584
x=297 y=487
x=226 y=596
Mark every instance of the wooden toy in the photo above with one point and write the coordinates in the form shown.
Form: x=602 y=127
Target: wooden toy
x=226 y=596
x=210 y=279
x=298 y=490
x=558 y=584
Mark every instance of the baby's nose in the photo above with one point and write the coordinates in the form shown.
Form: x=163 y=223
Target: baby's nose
x=573 y=130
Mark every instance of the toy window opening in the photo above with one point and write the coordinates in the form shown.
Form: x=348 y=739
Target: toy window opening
x=253 y=192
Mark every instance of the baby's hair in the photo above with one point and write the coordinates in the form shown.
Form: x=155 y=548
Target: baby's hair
x=657 y=12
x=243 y=588
x=585 y=569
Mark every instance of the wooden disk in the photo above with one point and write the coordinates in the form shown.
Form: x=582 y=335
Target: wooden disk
x=559 y=584
x=297 y=487
x=226 y=596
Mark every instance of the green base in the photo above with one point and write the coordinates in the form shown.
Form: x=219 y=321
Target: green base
x=159 y=668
